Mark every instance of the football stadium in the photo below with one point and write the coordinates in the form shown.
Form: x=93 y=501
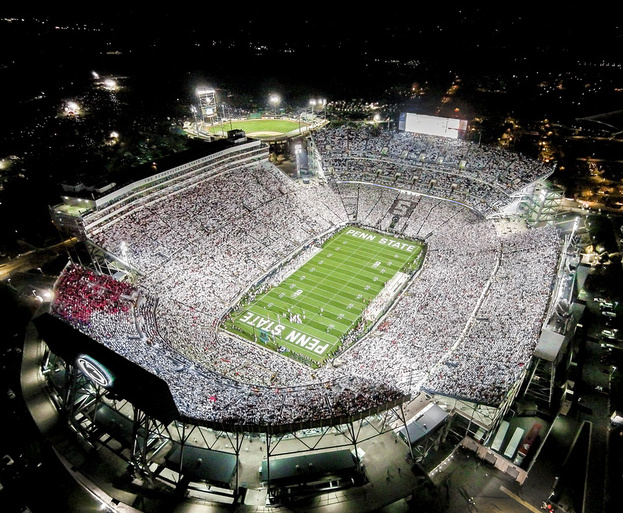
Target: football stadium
x=241 y=337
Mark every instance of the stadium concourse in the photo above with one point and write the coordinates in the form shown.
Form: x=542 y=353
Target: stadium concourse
x=464 y=327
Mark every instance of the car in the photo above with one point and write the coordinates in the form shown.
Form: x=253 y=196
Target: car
x=616 y=419
x=611 y=334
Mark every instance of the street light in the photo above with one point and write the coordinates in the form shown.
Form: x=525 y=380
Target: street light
x=110 y=84
x=72 y=108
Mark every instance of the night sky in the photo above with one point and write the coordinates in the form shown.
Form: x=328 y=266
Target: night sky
x=314 y=44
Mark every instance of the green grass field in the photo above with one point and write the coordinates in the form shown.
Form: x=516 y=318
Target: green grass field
x=307 y=314
x=259 y=126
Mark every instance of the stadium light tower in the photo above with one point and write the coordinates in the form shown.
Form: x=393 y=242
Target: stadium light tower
x=274 y=99
x=321 y=102
x=207 y=103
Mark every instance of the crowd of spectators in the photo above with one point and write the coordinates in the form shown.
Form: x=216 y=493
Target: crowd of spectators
x=85 y=292
x=465 y=326
x=481 y=176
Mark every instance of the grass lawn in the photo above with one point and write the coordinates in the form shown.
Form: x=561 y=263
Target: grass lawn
x=307 y=314
x=258 y=126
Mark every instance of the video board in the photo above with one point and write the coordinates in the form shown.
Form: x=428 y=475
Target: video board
x=432 y=125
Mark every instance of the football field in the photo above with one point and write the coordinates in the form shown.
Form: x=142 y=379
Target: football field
x=307 y=314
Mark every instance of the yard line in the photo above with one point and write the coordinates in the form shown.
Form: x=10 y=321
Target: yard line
x=331 y=290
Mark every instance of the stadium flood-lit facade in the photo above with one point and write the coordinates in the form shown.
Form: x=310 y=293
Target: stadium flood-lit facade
x=134 y=356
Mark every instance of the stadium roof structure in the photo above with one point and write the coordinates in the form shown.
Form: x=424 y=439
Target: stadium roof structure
x=151 y=394
x=132 y=382
x=120 y=177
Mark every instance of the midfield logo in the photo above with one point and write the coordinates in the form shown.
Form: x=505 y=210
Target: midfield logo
x=386 y=241
x=267 y=327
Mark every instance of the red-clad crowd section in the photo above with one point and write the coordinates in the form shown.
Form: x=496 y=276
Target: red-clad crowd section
x=80 y=292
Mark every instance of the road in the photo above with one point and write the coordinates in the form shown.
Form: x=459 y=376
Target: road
x=34 y=259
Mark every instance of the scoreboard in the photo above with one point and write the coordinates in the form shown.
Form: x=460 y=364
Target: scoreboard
x=432 y=125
